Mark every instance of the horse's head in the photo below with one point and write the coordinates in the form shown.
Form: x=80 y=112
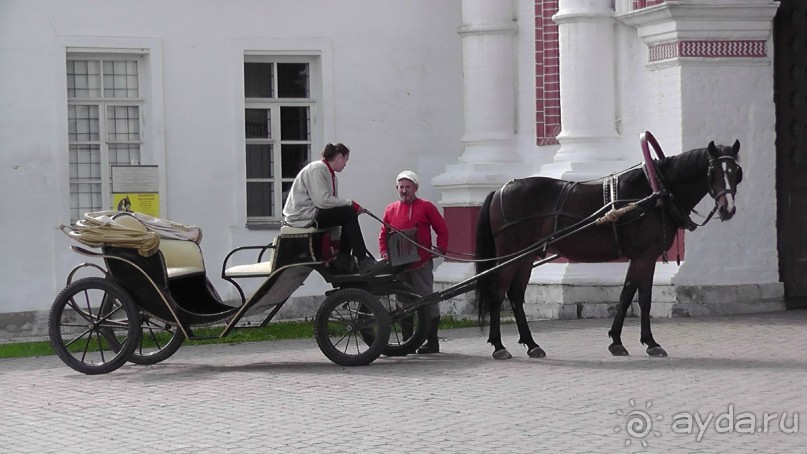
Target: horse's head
x=724 y=174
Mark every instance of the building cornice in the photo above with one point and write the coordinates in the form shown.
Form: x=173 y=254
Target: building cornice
x=685 y=21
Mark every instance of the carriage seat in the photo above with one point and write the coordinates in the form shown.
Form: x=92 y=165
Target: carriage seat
x=181 y=257
x=265 y=268
x=258 y=269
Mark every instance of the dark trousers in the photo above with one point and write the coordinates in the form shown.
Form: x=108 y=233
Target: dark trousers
x=352 y=240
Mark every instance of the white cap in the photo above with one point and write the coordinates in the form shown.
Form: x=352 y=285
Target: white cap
x=409 y=175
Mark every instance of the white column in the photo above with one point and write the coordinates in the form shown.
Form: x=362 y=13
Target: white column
x=489 y=65
x=587 y=140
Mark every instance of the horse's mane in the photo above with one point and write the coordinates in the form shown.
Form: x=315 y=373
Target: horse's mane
x=684 y=166
x=673 y=169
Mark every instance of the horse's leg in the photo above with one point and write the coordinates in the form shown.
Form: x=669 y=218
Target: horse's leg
x=516 y=296
x=625 y=298
x=496 y=294
x=645 y=280
x=495 y=334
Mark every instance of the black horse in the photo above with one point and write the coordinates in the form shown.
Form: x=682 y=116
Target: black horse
x=541 y=211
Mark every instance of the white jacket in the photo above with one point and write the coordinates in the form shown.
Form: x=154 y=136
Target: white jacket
x=313 y=189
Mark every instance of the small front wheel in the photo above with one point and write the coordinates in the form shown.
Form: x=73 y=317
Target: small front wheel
x=94 y=326
x=344 y=320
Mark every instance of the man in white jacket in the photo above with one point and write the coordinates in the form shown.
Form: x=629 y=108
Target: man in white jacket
x=314 y=201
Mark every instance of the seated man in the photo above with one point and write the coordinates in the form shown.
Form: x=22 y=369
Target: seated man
x=314 y=201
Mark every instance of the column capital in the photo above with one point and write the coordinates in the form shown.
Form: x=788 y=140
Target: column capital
x=682 y=21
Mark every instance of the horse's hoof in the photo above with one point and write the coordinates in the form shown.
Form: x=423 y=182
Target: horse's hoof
x=536 y=352
x=502 y=354
x=618 y=350
x=656 y=351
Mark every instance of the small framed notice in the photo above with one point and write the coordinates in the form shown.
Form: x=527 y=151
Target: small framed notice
x=136 y=188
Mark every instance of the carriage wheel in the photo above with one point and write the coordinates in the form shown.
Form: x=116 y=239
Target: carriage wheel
x=159 y=340
x=341 y=321
x=94 y=326
x=407 y=333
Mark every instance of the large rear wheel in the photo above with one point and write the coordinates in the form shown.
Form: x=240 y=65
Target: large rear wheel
x=344 y=320
x=94 y=326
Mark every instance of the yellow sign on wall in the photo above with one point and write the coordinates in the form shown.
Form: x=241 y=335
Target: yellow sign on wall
x=136 y=188
x=146 y=203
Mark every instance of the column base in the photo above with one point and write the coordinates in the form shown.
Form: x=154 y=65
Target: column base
x=469 y=184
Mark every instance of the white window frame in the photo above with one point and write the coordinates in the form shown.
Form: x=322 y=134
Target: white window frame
x=314 y=104
x=104 y=103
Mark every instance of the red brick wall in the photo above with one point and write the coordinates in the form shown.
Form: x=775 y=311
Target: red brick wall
x=547 y=73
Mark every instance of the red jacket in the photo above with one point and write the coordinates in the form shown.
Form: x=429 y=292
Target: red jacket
x=421 y=214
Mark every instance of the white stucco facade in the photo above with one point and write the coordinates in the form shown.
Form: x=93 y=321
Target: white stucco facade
x=391 y=90
x=445 y=88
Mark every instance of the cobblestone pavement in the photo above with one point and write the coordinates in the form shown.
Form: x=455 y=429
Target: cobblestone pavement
x=725 y=376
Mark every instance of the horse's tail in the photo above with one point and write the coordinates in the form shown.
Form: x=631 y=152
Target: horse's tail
x=485 y=250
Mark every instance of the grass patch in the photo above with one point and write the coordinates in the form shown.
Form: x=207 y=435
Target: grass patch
x=271 y=332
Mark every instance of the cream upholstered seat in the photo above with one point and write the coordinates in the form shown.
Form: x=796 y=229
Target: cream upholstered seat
x=181 y=257
x=258 y=269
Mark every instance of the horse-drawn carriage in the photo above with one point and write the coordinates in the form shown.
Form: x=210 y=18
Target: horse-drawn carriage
x=154 y=290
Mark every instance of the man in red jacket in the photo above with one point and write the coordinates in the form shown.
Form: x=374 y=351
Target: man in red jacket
x=411 y=212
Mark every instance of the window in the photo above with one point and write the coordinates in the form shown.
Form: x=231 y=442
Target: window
x=104 y=112
x=279 y=106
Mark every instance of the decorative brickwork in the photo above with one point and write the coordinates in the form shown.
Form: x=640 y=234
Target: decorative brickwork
x=639 y=4
x=708 y=49
x=547 y=73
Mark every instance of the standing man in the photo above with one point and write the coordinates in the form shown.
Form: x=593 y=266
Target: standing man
x=411 y=212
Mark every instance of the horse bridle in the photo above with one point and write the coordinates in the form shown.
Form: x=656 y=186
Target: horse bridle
x=716 y=195
x=710 y=171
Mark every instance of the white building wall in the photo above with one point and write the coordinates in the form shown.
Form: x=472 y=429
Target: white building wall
x=735 y=102
x=392 y=87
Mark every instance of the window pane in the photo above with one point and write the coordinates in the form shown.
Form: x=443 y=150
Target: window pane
x=85 y=162
x=294 y=158
x=292 y=80
x=258 y=123
x=259 y=161
x=123 y=123
x=259 y=198
x=84 y=197
x=82 y=124
x=83 y=79
x=120 y=79
x=294 y=123
x=124 y=154
x=258 y=80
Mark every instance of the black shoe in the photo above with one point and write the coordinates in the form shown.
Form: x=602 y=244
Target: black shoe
x=344 y=263
x=429 y=348
x=367 y=264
